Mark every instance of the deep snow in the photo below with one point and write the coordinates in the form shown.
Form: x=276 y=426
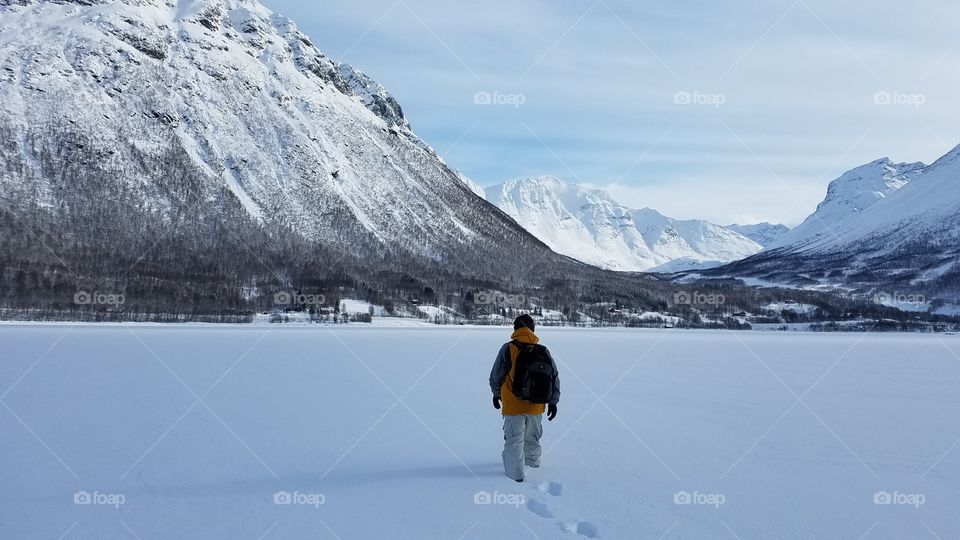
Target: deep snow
x=192 y=431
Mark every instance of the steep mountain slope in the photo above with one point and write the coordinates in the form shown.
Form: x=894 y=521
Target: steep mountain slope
x=764 y=233
x=589 y=225
x=904 y=235
x=203 y=117
x=473 y=186
x=850 y=194
x=702 y=242
x=583 y=223
x=925 y=210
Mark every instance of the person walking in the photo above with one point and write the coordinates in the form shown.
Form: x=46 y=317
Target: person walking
x=524 y=381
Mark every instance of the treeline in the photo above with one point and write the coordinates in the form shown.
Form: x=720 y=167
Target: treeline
x=103 y=235
x=158 y=232
x=925 y=267
x=885 y=326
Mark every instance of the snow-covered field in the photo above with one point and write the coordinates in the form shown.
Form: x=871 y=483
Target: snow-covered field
x=364 y=432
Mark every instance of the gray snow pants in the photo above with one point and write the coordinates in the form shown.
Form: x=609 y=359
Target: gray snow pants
x=521 y=436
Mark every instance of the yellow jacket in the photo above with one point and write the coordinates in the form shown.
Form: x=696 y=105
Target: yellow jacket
x=503 y=373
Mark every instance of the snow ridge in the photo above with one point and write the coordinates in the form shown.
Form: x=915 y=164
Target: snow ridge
x=764 y=233
x=588 y=225
x=851 y=194
x=882 y=226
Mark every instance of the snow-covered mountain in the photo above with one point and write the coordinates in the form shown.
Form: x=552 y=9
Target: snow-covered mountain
x=882 y=226
x=850 y=194
x=185 y=109
x=374 y=96
x=764 y=233
x=588 y=225
x=923 y=210
x=473 y=186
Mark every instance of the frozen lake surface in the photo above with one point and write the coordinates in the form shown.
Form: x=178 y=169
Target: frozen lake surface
x=156 y=432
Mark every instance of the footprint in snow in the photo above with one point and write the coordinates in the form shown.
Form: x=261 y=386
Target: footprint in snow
x=583 y=528
x=553 y=488
x=539 y=508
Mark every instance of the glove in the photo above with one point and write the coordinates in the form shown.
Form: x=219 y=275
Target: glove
x=496 y=402
x=551 y=411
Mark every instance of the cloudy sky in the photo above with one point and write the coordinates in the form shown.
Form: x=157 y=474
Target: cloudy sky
x=735 y=111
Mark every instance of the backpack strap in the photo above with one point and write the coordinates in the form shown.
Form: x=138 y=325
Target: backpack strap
x=520 y=345
x=513 y=364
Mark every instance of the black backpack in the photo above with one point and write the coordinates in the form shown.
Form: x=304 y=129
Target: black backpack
x=534 y=373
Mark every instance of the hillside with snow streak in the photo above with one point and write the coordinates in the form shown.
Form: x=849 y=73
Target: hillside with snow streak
x=884 y=229
x=191 y=110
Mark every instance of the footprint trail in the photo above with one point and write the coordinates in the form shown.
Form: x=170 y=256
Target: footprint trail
x=539 y=507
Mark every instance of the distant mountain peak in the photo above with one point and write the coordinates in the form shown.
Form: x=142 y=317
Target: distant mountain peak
x=763 y=233
x=589 y=225
x=862 y=186
x=853 y=192
x=531 y=183
x=948 y=158
x=883 y=225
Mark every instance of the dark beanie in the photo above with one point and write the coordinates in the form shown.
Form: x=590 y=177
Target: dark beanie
x=524 y=320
